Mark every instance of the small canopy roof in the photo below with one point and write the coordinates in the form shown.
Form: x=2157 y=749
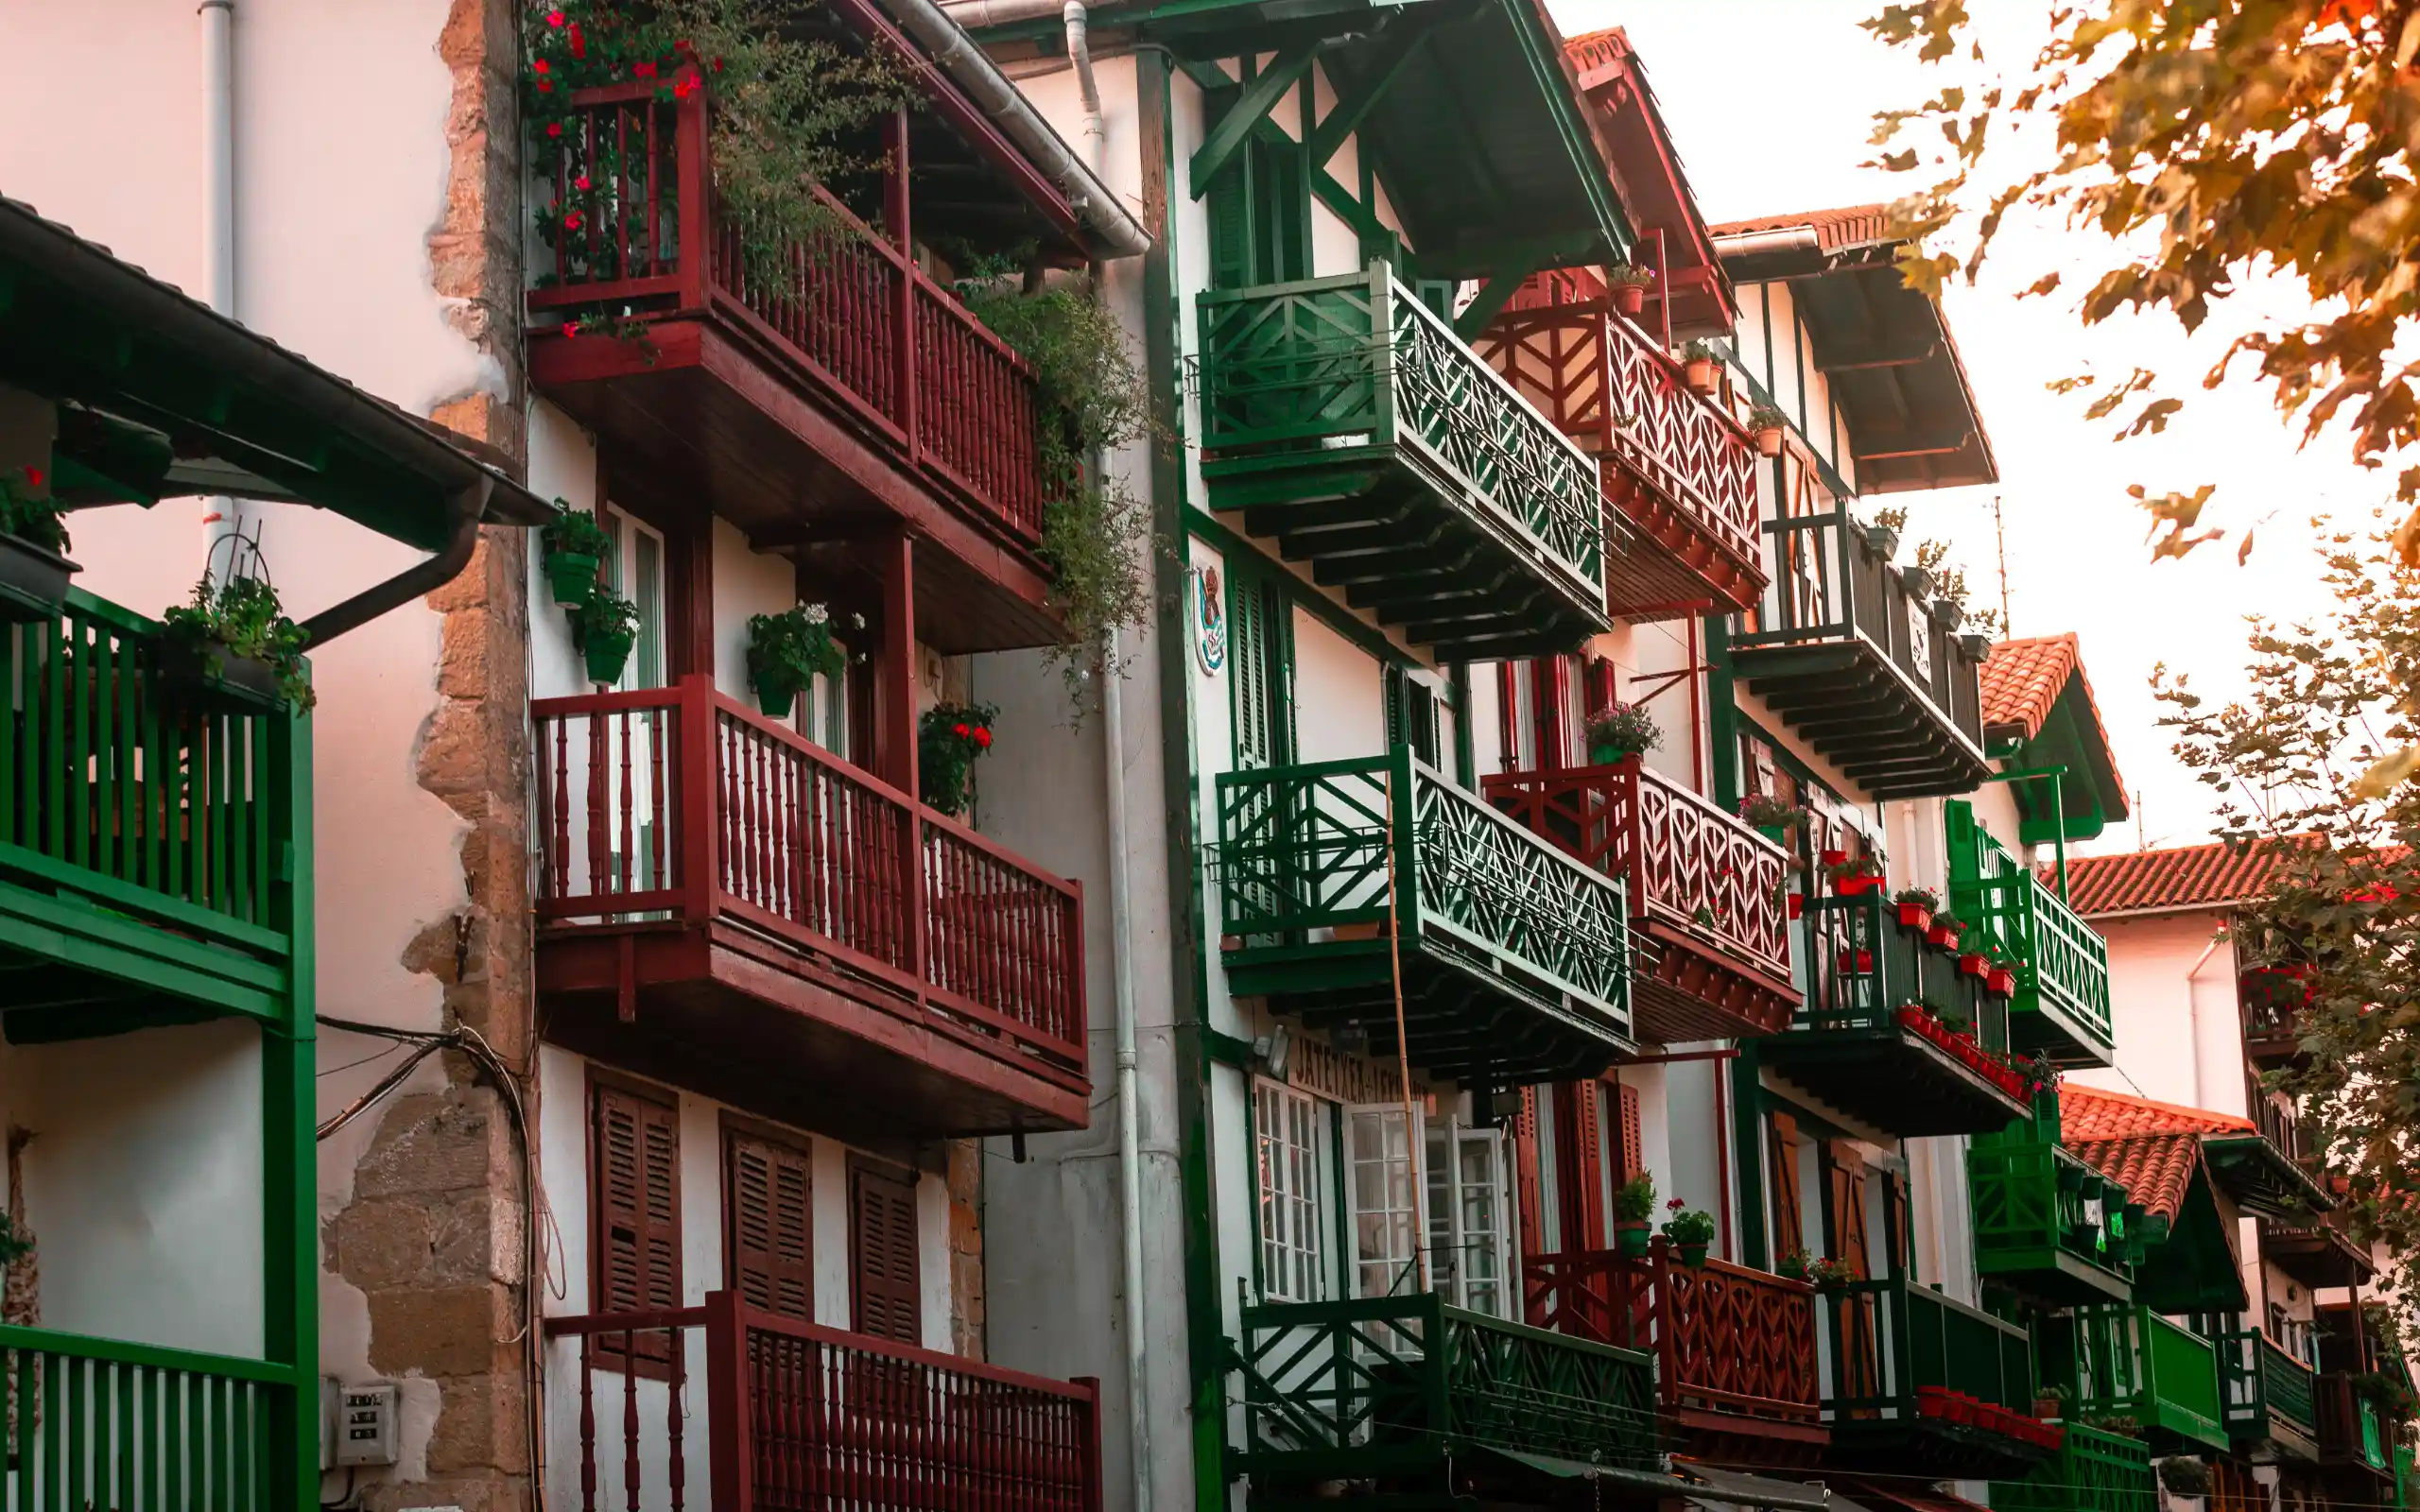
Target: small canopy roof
x=2036 y=696
x=160 y=397
x=1885 y=349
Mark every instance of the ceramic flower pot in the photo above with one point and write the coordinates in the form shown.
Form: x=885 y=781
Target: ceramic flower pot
x=1701 y=374
x=572 y=576
x=1769 y=440
x=1693 y=1256
x=1633 y=1240
x=606 y=655
x=1630 y=299
x=33 y=582
x=1916 y=917
x=775 y=695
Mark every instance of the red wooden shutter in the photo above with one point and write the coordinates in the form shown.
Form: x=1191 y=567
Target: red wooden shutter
x=1633 y=1155
x=1583 y=1191
x=1789 y=1226
x=768 y=1202
x=1553 y=682
x=1525 y=1172
x=1599 y=685
x=886 y=1298
x=635 y=1194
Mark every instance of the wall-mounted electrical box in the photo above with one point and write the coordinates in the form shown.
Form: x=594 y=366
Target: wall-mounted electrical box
x=365 y=1428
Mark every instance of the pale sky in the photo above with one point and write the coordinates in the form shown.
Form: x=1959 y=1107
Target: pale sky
x=1770 y=105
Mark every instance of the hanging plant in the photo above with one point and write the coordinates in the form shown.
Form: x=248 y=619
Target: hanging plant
x=34 y=568
x=948 y=742
x=788 y=651
x=575 y=544
x=1619 y=731
x=788 y=109
x=234 y=644
x=1771 y=428
x=1629 y=284
x=607 y=627
x=1090 y=399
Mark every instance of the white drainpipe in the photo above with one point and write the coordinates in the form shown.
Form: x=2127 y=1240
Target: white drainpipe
x=224 y=517
x=1121 y=967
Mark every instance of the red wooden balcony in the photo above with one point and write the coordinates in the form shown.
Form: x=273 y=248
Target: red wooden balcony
x=728 y=905
x=1734 y=1348
x=798 y=1415
x=1705 y=887
x=1684 y=473
x=855 y=387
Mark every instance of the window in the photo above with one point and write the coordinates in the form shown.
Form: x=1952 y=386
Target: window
x=1411 y=716
x=1383 y=1182
x=1260 y=211
x=887 y=1300
x=1466 y=1217
x=634 y=1208
x=635 y=568
x=1285 y=1136
x=1262 y=655
x=769 y=1223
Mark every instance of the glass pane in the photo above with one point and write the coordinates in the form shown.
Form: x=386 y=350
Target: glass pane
x=1288 y=1182
x=1386 y=1209
x=647 y=590
x=1478 y=1185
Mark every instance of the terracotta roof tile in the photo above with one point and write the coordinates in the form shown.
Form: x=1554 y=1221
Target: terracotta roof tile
x=2022 y=680
x=2152 y=1149
x=2173 y=880
x=1847 y=226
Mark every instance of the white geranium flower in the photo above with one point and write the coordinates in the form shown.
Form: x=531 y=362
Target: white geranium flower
x=816 y=613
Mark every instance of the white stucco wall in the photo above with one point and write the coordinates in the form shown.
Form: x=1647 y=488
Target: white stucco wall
x=2172 y=989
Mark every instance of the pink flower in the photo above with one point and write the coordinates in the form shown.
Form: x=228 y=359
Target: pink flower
x=571 y=328
x=555 y=19
x=581 y=182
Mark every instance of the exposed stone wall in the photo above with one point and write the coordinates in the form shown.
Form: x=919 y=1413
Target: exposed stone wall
x=966 y=1248
x=434 y=1235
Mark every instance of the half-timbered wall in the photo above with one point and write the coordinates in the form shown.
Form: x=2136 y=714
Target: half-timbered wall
x=1777 y=351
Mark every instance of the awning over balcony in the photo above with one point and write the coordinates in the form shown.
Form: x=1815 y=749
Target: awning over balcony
x=160 y=397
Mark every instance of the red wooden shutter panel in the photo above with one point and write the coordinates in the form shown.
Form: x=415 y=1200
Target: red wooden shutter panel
x=1599 y=685
x=887 y=1298
x=635 y=1193
x=769 y=1203
x=1583 y=1205
x=1790 y=1227
x=1525 y=1172
x=1633 y=1149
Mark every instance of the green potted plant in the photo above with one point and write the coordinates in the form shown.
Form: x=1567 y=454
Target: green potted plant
x=1796 y=1265
x=788 y=651
x=607 y=626
x=1771 y=428
x=34 y=568
x=1701 y=361
x=1629 y=284
x=2184 y=1475
x=1826 y=1273
x=1634 y=1212
x=1916 y=907
x=1690 y=1231
x=1619 y=731
x=574 y=543
x=233 y=645
x=2051 y=1402
x=1770 y=817
x=950 y=740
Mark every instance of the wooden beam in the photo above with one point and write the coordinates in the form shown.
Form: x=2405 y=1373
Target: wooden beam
x=1891 y=444
x=1234 y=128
x=1500 y=286
x=1394 y=49
x=1878 y=354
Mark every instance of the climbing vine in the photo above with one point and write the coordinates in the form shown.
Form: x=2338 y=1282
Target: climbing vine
x=1091 y=398
x=789 y=112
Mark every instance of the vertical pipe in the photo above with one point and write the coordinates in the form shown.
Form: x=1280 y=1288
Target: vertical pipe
x=1130 y=1154
x=222 y=517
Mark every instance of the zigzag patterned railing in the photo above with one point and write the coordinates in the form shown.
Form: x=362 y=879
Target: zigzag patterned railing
x=2093 y=1471
x=1358 y=359
x=2061 y=962
x=1726 y=1338
x=1387 y=1383
x=1687 y=863
x=1307 y=848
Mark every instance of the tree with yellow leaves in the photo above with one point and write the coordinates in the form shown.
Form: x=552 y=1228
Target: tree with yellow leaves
x=2206 y=141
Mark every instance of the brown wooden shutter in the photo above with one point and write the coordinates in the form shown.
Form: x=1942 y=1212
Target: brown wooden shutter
x=1789 y=1223
x=1525 y=1172
x=635 y=1194
x=1860 y=1369
x=1846 y=1173
x=1632 y=1160
x=887 y=1300
x=769 y=1209
x=1583 y=1148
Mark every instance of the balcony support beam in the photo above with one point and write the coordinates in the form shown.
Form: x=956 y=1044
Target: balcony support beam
x=1234 y=128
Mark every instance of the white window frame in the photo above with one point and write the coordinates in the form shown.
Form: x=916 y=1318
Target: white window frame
x=1451 y=1241
x=1388 y=1236
x=648 y=651
x=1290 y=1188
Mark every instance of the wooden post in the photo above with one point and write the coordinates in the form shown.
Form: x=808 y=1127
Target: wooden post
x=689 y=593
x=696 y=770
x=895 y=725
x=900 y=230
x=728 y=1413
x=689 y=146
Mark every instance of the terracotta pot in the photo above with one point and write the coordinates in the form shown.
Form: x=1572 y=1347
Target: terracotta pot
x=1972 y=964
x=1630 y=299
x=1769 y=440
x=1700 y=374
x=1916 y=917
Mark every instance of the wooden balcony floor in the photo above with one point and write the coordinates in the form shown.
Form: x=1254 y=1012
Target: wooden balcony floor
x=1860 y=712
x=780 y=1033
x=1892 y=1078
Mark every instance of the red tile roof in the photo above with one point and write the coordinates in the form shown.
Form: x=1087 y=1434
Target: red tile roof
x=2152 y=1149
x=2177 y=880
x=1847 y=226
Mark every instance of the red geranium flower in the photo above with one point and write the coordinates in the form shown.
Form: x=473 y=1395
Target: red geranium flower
x=581 y=182
x=684 y=87
x=554 y=128
x=571 y=222
x=542 y=66
x=982 y=737
x=546 y=86
x=717 y=65
x=960 y=728
x=571 y=328
x=555 y=18
x=645 y=70
x=33 y=478
x=682 y=46
x=579 y=42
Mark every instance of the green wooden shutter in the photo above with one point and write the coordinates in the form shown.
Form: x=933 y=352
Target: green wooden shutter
x=1261 y=654
x=1411 y=716
x=1231 y=226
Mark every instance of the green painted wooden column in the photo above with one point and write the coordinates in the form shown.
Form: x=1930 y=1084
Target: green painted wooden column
x=290 y=1163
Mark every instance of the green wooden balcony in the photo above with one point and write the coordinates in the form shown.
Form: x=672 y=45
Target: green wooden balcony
x=2121 y=1361
x=1853 y=1048
x=2093 y=1471
x=1354 y=428
x=148 y=866
x=2351 y=1432
x=1912 y=1378
x=2264 y=1392
x=2046 y=1223
x=2061 y=1008
x=1396 y=1389
x=1514 y=957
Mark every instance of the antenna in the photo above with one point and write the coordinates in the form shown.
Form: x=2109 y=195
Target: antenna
x=2140 y=843
x=2000 y=543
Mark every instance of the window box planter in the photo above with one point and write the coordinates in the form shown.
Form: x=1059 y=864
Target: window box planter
x=1853 y=886
x=33 y=582
x=1915 y=917
x=1941 y=936
x=1833 y=858
x=2000 y=982
x=218 y=680
x=1861 y=962
x=1973 y=964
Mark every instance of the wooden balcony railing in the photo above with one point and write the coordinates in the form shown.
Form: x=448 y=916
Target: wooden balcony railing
x=99 y=1423
x=2093 y=1471
x=1913 y=1377
x=2271 y=997
x=852 y=312
x=2045 y=1221
x=1726 y=1339
x=1608 y=385
x=2261 y=1384
x=798 y=1416
x=2127 y=1361
x=127 y=800
x=681 y=803
x=1696 y=876
x=2350 y=1431
x=2061 y=1008
x=1317 y=862
x=1392 y=1387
